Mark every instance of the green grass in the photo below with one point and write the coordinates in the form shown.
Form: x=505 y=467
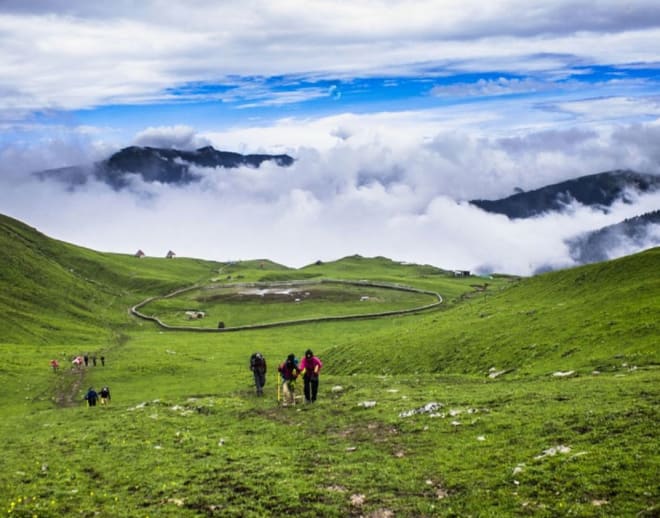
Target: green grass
x=267 y=303
x=185 y=435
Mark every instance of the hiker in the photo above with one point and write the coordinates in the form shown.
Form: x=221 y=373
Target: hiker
x=94 y=360
x=288 y=372
x=91 y=397
x=309 y=369
x=86 y=358
x=105 y=395
x=55 y=365
x=103 y=361
x=258 y=368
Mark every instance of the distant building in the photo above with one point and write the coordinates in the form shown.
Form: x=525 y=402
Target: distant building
x=139 y=254
x=461 y=273
x=170 y=255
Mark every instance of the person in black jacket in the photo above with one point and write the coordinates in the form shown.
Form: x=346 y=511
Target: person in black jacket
x=105 y=395
x=91 y=397
x=258 y=368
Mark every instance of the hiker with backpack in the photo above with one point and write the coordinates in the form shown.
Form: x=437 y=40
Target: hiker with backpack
x=309 y=369
x=288 y=373
x=258 y=368
x=91 y=397
x=105 y=396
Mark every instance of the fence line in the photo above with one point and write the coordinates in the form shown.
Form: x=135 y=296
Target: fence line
x=393 y=286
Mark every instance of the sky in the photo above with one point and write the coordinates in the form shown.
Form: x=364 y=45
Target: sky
x=397 y=112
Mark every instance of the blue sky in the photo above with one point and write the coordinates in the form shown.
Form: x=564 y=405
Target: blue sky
x=392 y=108
x=244 y=101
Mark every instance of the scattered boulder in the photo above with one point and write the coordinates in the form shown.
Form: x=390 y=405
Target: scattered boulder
x=358 y=500
x=429 y=408
x=495 y=373
x=562 y=374
x=551 y=452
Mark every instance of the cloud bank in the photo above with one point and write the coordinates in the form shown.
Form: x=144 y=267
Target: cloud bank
x=394 y=122
x=361 y=195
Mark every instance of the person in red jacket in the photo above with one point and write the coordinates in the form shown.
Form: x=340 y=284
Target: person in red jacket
x=309 y=369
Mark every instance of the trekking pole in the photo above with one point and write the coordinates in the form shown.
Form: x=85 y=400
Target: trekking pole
x=279 y=387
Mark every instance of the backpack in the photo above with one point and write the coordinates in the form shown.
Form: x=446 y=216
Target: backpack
x=258 y=362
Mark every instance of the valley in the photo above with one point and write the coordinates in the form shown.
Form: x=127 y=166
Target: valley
x=514 y=397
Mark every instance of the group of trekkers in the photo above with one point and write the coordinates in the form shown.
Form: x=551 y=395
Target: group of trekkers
x=92 y=396
x=289 y=371
x=78 y=361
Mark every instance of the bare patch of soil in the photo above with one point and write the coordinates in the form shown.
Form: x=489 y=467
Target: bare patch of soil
x=66 y=394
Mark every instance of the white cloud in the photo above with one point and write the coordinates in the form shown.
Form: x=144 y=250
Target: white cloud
x=611 y=108
x=492 y=87
x=369 y=182
x=137 y=54
x=361 y=195
x=179 y=137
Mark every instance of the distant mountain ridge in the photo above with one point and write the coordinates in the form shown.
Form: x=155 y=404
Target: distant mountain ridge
x=165 y=165
x=598 y=190
x=594 y=247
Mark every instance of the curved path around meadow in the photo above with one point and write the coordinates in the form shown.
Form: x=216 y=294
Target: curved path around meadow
x=135 y=310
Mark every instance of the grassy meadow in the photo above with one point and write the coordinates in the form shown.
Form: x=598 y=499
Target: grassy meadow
x=515 y=397
x=245 y=305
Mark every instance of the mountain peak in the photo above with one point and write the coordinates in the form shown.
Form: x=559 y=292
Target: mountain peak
x=164 y=165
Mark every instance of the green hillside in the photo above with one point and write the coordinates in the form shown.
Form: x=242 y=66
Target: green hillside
x=583 y=319
x=53 y=290
x=516 y=397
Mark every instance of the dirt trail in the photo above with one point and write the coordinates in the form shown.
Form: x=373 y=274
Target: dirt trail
x=67 y=393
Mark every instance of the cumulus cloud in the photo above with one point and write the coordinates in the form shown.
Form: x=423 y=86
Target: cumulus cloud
x=480 y=103
x=178 y=137
x=361 y=195
x=21 y=157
